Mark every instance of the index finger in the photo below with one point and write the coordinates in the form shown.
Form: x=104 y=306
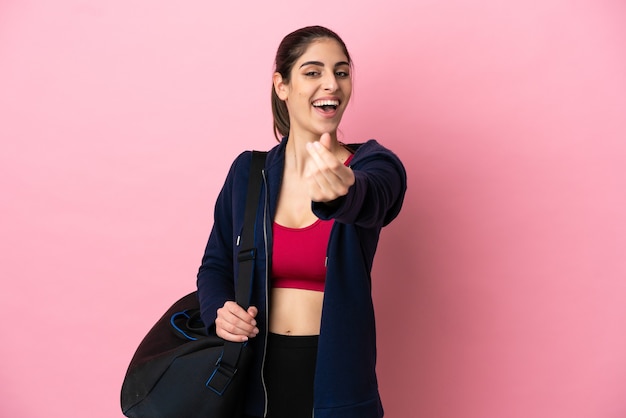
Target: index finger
x=238 y=311
x=322 y=156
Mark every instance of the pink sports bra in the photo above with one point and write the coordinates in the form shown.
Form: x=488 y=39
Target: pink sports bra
x=299 y=256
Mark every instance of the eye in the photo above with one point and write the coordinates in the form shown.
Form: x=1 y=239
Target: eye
x=342 y=74
x=312 y=73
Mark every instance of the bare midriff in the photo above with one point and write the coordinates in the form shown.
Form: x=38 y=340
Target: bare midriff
x=295 y=311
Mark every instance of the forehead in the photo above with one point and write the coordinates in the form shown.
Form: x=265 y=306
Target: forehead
x=326 y=50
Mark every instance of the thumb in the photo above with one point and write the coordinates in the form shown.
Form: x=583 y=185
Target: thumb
x=325 y=140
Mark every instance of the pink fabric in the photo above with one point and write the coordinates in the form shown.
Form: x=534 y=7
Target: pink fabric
x=299 y=256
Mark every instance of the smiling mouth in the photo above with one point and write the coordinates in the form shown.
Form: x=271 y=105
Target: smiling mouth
x=326 y=105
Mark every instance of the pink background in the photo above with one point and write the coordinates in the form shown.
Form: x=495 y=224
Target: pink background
x=501 y=288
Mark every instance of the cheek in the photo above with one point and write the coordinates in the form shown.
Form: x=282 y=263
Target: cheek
x=303 y=98
x=348 y=91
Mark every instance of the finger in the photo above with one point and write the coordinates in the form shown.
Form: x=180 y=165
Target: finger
x=231 y=337
x=224 y=326
x=234 y=319
x=238 y=311
x=253 y=311
x=333 y=171
x=324 y=162
x=322 y=151
x=243 y=321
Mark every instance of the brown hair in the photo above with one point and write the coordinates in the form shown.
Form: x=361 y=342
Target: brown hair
x=290 y=49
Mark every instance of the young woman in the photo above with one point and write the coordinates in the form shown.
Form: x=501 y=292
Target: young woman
x=320 y=213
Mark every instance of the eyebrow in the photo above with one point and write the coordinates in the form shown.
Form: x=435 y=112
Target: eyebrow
x=321 y=64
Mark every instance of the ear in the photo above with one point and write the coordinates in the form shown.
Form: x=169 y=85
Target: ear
x=280 y=87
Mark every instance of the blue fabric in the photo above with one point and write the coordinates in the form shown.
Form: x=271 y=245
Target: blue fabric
x=345 y=378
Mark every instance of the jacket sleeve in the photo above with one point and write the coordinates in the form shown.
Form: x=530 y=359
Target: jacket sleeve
x=215 y=275
x=377 y=194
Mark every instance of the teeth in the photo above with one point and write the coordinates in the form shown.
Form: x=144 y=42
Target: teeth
x=326 y=103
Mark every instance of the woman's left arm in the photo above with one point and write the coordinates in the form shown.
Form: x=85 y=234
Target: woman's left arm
x=376 y=192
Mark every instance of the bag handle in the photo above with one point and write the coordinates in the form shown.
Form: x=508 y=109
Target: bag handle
x=188 y=324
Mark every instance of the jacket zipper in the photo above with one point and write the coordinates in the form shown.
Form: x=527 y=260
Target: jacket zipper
x=265 y=239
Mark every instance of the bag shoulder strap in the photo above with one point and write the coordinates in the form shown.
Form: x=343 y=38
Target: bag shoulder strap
x=227 y=366
x=247 y=250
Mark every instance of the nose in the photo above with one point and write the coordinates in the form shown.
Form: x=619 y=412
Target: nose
x=330 y=82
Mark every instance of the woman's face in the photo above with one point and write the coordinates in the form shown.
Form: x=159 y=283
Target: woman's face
x=319 y=89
